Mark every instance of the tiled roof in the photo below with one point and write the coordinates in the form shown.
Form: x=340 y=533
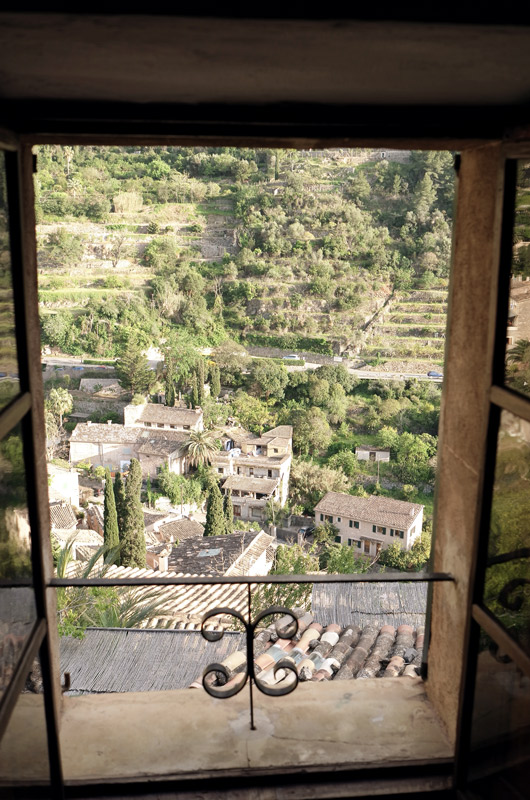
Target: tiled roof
x=244 y=563
x=368 y=603
x=132 y=660
x=151 y=517
x=147 y=439
x=282 y=432
x=89 y=384
x=378 y=510
x=215 y=555
x=371 y=449
x=162 y=445
x=97 y=432
x=244 y=484
x=328 y=653
x=180 y=529
x=62 y=516
x=175 y=606
x=224 y=457
x=169 y=415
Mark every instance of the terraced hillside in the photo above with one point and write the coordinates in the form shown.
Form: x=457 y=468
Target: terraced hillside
x=331 y=252
x=410 y=331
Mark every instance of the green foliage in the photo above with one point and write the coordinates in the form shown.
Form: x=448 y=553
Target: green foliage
x=293 y=560
x=133 y=369
x=252 y=413
x=119 y=500
x=201 y=447
x=311 y=430
x=413 y=560
x=59 y=402
x=309 y=483
x=343 y=560
x=215 y=384
x=132 y=537
x=228 y=509
x=215 y=517
x=111 y=535
x=63 y=249
x=180 y=489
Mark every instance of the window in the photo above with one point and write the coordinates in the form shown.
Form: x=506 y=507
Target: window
x=502 y=397
x=147 y=424
x=338 y=539
x=338 y=519
x=322 y=518
x=350 y=542
x=355 y=524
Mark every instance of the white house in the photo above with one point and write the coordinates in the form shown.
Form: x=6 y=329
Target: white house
x=370 y=523
x=255 y=469
x=365 y=452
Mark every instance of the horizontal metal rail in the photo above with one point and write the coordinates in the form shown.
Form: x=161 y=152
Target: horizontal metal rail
x=384 y=577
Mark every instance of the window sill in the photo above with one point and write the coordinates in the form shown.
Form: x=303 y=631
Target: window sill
x=186 y=733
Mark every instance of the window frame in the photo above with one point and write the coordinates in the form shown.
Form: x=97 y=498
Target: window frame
x=39 y=511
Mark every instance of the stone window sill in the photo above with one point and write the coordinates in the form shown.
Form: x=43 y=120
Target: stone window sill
x=185 y=733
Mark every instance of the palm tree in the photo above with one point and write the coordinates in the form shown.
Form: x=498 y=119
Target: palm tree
x=519 y=353
x=201 y=447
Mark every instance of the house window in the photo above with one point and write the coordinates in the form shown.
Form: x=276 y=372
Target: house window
x=159 y=424
x=269 y=473
x=256 y=512
x=338 y=539
x=358 y=544
x=237 y=511
x=322 y=518
x=338 y=519
x=147 y=424
x=350 y=542
x=356 y=524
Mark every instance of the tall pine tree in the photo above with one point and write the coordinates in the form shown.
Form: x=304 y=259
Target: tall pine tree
x=228 y=513
x=110 y=518
x=215 y=382
x=215 y=518
x=133 y=536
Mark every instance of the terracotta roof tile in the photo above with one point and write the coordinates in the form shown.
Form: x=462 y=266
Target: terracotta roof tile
x=62 y=516
x=169 y=415
x=243 y=484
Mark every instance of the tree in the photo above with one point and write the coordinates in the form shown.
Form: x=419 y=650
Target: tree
x=311 y=431
x=118 y=249
x=119 y=500
x=201 y=447
x=415 y=559
x=194 y=392
x=179 y=488
x=268 y=378
x=133 y=547
x=133 y=369
x=232 y=360
x=342 y=559
x=309 y=483
x=228 y=512
x=215 y=382
x=215 y=517
x=111 y=534
x=251 y=412
x=293 y=560
x=59 y=402
x=63 y=249
x=200 y=382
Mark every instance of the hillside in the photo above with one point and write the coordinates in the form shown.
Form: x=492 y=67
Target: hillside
x=330 y=252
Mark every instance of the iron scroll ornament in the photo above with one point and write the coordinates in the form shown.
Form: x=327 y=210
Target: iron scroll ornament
x=249 y=674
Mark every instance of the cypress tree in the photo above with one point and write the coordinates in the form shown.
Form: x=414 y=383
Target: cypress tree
x=133 y=538
x=110 y=518
x=228 y=513
x=194 y=392
x=215 y=384
x=215 y=518
x=200 y=382
x=170 y=392
x=148 y=491
x=119 y=498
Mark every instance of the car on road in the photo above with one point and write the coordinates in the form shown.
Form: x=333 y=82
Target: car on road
x=78 y=368
x=292 y=357
x=433 y=374
x=307 y=530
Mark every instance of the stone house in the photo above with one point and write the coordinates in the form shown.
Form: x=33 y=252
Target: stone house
x=255 y=469
x=370 y=523
x=154 y=415
x=113 y=446
x=366 y=452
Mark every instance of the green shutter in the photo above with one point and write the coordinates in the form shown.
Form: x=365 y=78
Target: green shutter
x=373 y=528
